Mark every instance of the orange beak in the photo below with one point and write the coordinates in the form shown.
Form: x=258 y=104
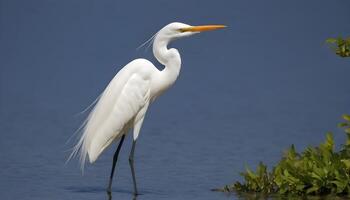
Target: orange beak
x=202 y=28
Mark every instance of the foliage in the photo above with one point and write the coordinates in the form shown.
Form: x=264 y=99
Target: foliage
x=316 y=171
x=340 y=46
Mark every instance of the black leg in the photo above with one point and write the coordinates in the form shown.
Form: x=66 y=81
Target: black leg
x=131 y=162
x=115 y=158
x=109 y=196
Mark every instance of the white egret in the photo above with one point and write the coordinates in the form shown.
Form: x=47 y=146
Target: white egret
x=124 y=102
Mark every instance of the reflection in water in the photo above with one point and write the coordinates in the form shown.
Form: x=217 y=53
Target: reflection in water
x=100 y=190
x=109 y=196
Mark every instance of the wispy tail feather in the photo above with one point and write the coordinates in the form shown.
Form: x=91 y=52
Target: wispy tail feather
x=80 y=147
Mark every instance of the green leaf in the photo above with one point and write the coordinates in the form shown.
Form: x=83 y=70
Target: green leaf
x=340 y=46
x=346 y=117
x=347 y=130
x=343 y=124
x=331 y=40
x=346 y=162
x=317 y=171
x=312 y=189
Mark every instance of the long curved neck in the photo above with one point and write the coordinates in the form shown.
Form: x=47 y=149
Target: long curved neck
x=170 y=58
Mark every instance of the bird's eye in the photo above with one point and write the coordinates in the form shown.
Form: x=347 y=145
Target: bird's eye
x=181 y=30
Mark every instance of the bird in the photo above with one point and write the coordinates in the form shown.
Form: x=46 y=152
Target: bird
x=123 y=104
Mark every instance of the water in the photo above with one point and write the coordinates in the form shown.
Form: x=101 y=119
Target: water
x=189 y=143
x=268 y=84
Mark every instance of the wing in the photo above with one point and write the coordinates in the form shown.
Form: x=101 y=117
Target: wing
x=126 y=95
x=103 y=128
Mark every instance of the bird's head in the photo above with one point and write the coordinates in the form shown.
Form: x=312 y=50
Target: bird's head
x=171 y=32
x=178 y=30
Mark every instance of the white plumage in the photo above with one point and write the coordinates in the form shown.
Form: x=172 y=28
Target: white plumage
x=124 y=102
x=122 y=105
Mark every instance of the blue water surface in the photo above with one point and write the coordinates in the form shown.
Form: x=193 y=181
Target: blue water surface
x=244 y=93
